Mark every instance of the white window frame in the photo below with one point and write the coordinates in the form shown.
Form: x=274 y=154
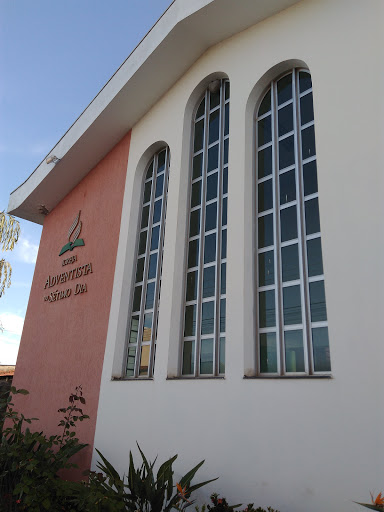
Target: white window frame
x=136 y=348
x=304 y=280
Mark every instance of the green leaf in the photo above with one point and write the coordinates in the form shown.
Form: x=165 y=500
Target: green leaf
x=185 y=481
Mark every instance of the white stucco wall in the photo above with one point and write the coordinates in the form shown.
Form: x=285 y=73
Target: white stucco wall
x=295 y=444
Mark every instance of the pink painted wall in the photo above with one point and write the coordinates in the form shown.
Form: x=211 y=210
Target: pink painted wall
x=63 y=342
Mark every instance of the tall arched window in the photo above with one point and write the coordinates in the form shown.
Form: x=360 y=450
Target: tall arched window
x=292 y=316
x=204 y=319
x=146 y=295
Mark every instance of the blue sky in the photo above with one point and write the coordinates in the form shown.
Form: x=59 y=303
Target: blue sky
x=55 y=56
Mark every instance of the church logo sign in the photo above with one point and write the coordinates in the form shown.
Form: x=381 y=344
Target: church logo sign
x=73 y=236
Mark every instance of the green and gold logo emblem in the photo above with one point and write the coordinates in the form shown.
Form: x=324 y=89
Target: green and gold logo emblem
x=74 y=232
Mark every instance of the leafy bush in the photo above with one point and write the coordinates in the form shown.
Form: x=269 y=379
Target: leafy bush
x=29 y=461
x=141 y=490
x=221 y=505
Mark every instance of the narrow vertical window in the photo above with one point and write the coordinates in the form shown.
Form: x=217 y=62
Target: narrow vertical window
x=205 y=296
x=146 y=294
x=291 y=308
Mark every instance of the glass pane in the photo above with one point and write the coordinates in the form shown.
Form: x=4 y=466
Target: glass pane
x=294 y=351
x=265 y=197
x=199 y=136
x=189 y=358
x=321 y=355
x=312 y=216
x=208 y=318
x=286 y=152
x=159 y=185
x=209 y=280
x=142 y=242
x=196 y=193
x=306 y=109
x=290 y=263
x=288 y=221
x=225 y=180
x=315 y=259
x=201 y=109
x=157 y=211
x=161 y=162
x=222 y=315
x=194 y=223
x=222 y=356
x=264 y=131
x=317 y=299
x=150 y=171
x=305 y=81
x=144 y=217
x=223 y=244
x=197 y=166
x=227 y=90
x=190 y=321
x=266 y=268
x=292 y=305
x=224 y=213
x=287 y=187
x=226 y=119
x=140 y=270
x=310 y=178
x=131 y=361
x=147 y=192
x=214 y=99
x=265 y=231
x=144 y=361
x=149 y=300
x=265 y=105
x=223 y=278
x=284 y=89
x=137 y=299
x=210 y=248
x=226 y=151
x=206 y=356
x=155 y=238
x=193 y=253
x=285 y=122
x=308 y=142
x=267 y=316
x=212 y=186
x=147 y=331
x=211 y=217
x=134 y=329
x=268 y=353
x=192 y=280
x=213 y=158
x=152 y=266
x=214 y=124
x=264 y=162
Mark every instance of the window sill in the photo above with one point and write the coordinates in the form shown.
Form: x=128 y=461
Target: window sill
x=285 y=377
x=210 y=377
x=131 y=379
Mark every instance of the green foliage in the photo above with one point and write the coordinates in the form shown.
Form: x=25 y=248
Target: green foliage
x=29 y=461
x=221 y=505
x=142 y=490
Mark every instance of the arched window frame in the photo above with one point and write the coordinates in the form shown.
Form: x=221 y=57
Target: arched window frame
x=193 y=352
x=273 y=286
x=143 y=319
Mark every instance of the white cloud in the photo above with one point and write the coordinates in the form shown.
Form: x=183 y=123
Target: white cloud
x=26 y=251
x=10 y=337
x=12 y=324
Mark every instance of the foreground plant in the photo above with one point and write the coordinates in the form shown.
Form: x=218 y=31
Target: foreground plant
x=29 y=461
x=142 y=490
x=221 y=505
x=377 y=503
